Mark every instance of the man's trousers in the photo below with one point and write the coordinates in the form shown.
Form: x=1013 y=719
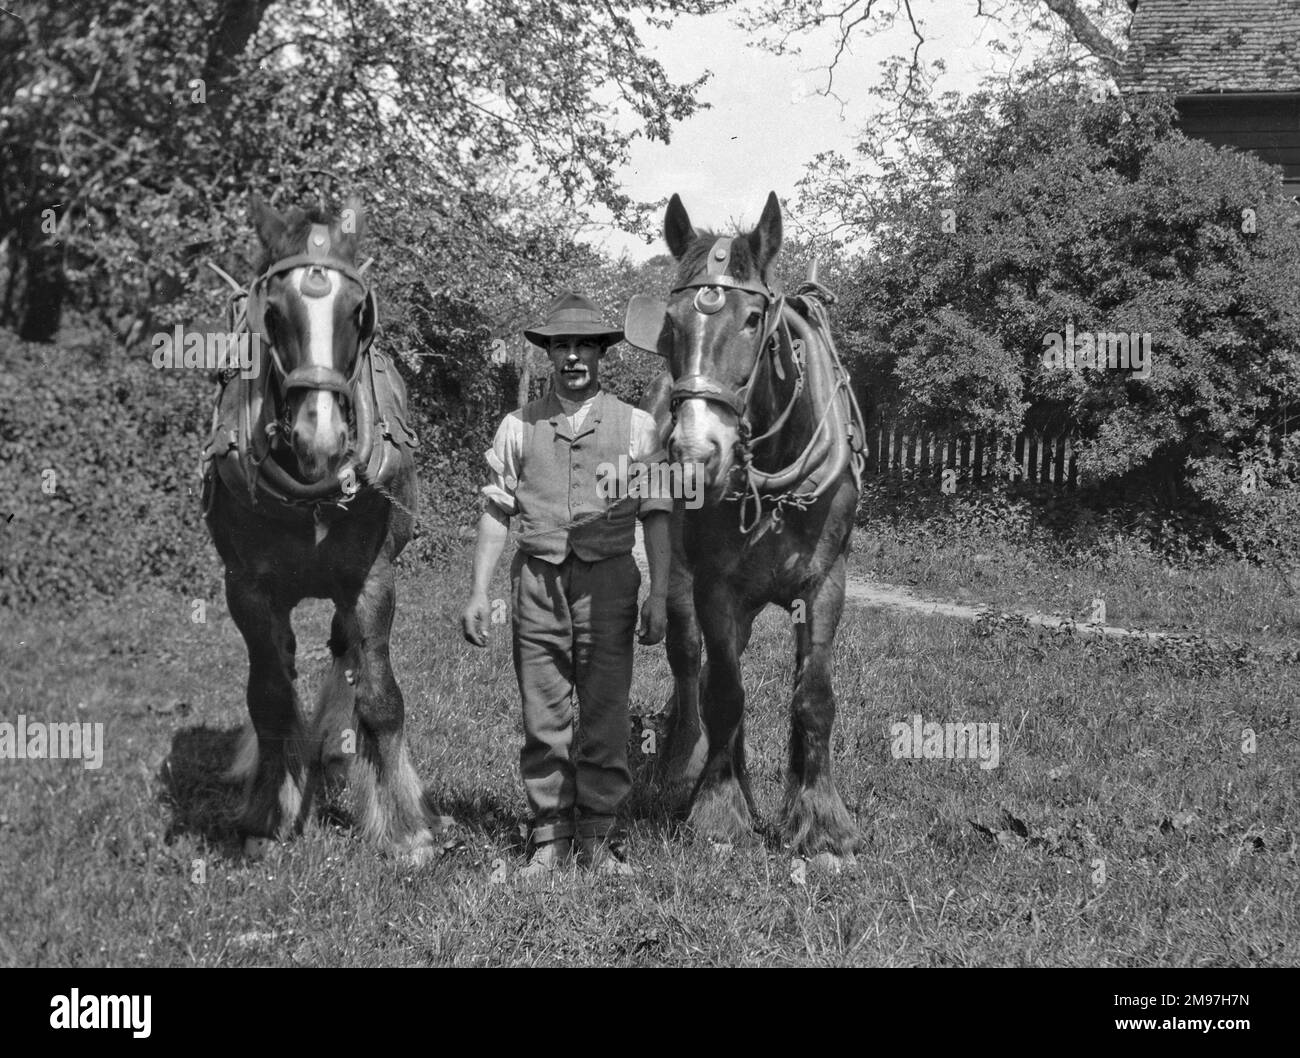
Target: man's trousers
x=573 y=630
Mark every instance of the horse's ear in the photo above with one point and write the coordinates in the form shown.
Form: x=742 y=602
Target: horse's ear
x=268 y=224
x=352 y=219
x=765 y=240
x=678 y=233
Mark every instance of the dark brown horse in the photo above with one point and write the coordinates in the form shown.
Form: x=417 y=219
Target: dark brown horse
x=310 y=492
x=756 y=394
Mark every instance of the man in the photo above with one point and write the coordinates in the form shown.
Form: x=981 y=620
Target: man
x=574 y=585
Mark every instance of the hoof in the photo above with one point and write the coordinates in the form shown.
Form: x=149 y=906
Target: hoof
x=336 y=772
x=721 y=815
x=257 y=848
x=829 y=863
x=441 y=825
x=418 y=850
x=417 y=857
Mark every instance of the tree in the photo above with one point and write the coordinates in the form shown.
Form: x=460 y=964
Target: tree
x=1064 y=37
x=466 y=126
x=1015 y=217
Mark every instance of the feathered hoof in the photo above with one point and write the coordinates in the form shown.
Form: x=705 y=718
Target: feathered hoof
x=441 y=825
x=830 y=863
x=419 y=850
x=817 y=822
x=720 y=815
x=335 y=770
x=256 y=848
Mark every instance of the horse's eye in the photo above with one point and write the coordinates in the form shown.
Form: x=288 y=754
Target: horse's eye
x=754 y=318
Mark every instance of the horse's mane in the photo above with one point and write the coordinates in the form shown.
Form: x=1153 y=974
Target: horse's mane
x=742 y=264
x=298 y=224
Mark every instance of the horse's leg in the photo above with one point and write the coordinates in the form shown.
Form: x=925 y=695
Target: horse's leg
x=814 y=817
x=722 y=808
x=393 y=812
x=275 y=774
x=334 y=728
x=685 y=744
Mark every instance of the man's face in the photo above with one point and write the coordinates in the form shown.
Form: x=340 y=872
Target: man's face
x=577 y=365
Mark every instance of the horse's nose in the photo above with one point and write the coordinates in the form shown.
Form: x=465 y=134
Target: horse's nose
x=705 y=450
x=320 y=432
x=323 y=426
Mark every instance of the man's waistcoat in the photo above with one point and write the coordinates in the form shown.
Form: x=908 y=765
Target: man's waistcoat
x=557 y=481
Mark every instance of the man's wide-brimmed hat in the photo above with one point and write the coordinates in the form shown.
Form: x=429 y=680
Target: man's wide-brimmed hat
x=572 y=315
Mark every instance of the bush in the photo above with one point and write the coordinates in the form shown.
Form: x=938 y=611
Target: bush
x=117 y=443
x=1098 y=524
x=1010 y=218
x=123 y=441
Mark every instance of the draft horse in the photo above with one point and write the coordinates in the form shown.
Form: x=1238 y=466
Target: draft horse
x=756 y=397
x=310 y=492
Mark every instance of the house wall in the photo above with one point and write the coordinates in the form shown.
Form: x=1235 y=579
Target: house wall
x=1269 y=128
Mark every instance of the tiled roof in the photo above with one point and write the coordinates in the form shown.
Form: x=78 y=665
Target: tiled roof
x=1214 y=46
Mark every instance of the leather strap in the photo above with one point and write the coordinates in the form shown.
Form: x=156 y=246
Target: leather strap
x=701 y=387
x=315 y=376
x=716 y=275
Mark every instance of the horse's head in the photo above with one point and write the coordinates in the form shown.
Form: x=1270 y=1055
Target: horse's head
x=719 y=316
x=316 y=312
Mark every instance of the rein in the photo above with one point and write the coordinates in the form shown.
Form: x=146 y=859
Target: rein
x=838 y=439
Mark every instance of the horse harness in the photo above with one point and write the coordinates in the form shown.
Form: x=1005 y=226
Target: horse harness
x=833 y=444
x=247 y=425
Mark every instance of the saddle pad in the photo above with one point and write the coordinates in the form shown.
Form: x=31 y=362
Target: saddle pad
x=390 y=402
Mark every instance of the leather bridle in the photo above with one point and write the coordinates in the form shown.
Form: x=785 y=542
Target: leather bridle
x=314 y=376
x=318 y=259
x=833 y=444
x=711 y=289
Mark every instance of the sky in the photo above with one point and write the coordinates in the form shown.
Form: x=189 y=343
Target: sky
x=766 y=121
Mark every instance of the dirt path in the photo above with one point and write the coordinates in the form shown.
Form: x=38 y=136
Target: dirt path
x=896 y=597
x=879 y=595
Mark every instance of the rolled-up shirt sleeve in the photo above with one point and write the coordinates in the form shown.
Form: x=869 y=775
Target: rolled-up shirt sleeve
x=503 y=465
x=646 y=446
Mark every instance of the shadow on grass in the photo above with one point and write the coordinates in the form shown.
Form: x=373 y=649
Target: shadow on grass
x=498 y=817
x=202 y=803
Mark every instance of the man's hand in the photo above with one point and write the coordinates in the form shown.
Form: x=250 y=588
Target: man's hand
x=493 y=527
x=654 y=621
x=475 y=619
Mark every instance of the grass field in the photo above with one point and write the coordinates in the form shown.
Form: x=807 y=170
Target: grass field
x=1233 y=599
x=1125 y=823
